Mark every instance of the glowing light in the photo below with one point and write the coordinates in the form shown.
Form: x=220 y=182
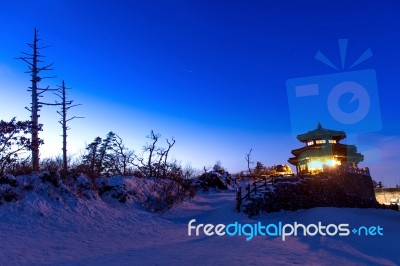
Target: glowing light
x=319 y=164
x=315 y=164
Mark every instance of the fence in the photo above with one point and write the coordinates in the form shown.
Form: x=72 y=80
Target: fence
x=252 y=189
x=356 y=170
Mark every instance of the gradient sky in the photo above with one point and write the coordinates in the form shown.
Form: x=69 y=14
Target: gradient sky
x=210 y=73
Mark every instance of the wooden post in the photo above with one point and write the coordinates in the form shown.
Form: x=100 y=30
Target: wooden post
x=255 y=187
x=238 y=199
x=265 y=182
x=248 y=191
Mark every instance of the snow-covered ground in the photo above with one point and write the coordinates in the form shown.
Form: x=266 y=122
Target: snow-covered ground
x=41 y=231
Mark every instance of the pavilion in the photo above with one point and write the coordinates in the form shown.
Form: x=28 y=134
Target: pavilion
x=322 y=151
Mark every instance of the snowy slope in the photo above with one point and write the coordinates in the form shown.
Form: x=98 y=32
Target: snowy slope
x=80 y=231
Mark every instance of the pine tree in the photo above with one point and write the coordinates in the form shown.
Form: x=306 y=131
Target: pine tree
x=100 y=158
x=12 y=142
x=259 y=169
x=90 y=159
x=106 y=157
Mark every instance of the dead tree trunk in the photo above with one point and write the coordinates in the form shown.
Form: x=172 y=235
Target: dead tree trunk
x=154 y=137
x=160 y=153
x=33 y=60
x=248 y=158
x=166 y=154
x=65 y=106
x=124 y=156
x=35 y=106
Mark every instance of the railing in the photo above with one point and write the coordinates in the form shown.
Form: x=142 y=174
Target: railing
x=355 y=170
x=252 y=189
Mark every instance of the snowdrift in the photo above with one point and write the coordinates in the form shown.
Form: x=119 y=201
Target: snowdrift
x=71 y=224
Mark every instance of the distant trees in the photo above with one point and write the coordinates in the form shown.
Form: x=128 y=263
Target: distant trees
x=13 y=140
x=110 y=156
x=103 y=157
x=218 y=167
x=98 y=160
x=123 y=157
x=90 y=160
x=259 y=169
x=33 y=60
x=154 y=161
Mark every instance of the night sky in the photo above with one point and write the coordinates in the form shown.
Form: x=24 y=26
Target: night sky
x=210 y=73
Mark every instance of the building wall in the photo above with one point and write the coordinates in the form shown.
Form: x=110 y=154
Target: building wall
x=386 y=195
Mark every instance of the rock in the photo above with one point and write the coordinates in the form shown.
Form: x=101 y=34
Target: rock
x=211 y=180
x=333 y=190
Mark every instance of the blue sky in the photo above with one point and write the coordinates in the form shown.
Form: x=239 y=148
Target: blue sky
x=210 y=73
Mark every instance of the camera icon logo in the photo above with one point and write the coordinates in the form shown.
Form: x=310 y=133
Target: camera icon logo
x=347 y=100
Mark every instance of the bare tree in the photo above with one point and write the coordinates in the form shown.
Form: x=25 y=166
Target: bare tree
x=205 y=169
x=248 y=160
x=151 y=148
x=156 y=164
x=161 y=153
x=188 y=172
x=147 y=167
x=33 y=60
x=65 y=106
x=141 y=165
x=124 y=156
x=170 y=144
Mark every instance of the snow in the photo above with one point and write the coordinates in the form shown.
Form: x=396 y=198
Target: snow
x=56 y=227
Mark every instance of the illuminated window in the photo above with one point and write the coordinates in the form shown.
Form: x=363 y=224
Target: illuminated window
x=320 y=141
x=310 y=143
x=332 y=141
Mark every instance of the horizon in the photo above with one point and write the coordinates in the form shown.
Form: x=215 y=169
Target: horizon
x=212 y=75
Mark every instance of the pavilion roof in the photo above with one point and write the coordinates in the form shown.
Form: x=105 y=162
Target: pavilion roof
x=321 y=133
